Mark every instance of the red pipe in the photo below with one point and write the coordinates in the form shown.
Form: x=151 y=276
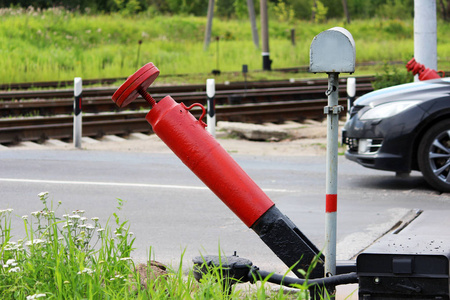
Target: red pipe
x=197 y=149
x=424 y=73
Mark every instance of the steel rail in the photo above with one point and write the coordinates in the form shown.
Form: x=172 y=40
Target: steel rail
x=38 y=129
x=108 y=91
x=47 y=107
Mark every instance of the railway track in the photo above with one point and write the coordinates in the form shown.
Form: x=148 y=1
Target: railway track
x=255 y=102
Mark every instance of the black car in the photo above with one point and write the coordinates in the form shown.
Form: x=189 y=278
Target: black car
x=403 y=128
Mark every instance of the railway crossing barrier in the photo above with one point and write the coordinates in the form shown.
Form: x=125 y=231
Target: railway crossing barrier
x=399 y=274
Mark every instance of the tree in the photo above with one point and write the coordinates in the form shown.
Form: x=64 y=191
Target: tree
x=444 y=7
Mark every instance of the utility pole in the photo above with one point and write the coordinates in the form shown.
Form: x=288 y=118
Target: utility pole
x=346 y=12
x=209 y=24
x=251 y=14
x=265 y=36
x=425 y=33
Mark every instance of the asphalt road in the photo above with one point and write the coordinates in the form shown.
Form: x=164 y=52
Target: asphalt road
x=172 y=213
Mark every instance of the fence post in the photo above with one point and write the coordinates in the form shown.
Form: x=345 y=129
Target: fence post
x=77 y=117
x=211 y=116
x=351 y=93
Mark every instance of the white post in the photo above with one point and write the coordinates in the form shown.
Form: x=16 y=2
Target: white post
x=265 y=35
x=425 y=33
x=77 y=116
x=332 y=111
x=211 y=116
x=351 y=92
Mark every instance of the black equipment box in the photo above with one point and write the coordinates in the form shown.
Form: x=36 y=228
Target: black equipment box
x=401 y=267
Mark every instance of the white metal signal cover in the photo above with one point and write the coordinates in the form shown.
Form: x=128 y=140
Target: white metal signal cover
x=332 y=51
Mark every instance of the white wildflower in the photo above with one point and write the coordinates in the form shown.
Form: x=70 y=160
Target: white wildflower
x=35 y=296
x=34 y=242
x=74 y=217
x=100 y=229
x=95 y=219
x=14 y=270
x=25 y=217
x=86 y=270
x=43 y=194
x=10 y=261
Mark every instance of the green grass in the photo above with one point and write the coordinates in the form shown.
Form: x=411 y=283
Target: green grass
x=76 y=257
x=61 y=45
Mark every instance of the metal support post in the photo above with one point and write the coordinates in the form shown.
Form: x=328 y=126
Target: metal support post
x=211 y=115
x=332 y=111
x=77 y=116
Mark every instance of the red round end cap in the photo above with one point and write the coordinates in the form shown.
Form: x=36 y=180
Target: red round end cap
x=128 y=91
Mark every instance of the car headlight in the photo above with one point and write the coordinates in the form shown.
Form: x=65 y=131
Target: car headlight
x=387 y=110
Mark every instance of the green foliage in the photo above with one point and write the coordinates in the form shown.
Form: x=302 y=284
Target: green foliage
x=56 y=44
x=284 y=12
x=391 y=77
x=240 y=9
x=128 y=7
x=396 y=9
x=358 y=9
x=319 y=12
x=73 y=257
x=59 y=257
x=188 y=7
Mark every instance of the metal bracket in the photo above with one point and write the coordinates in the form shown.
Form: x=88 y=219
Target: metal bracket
x=335 y=110
x=330 y=90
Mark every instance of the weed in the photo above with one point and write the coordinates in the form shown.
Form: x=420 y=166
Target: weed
x=76 y=257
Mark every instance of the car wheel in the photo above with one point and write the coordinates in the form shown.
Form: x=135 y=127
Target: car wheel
x=434 y=156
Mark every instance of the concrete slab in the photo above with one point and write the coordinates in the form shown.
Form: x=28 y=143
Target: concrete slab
x=29 y=145
x=54 y=142
x=138 y=136
x=112 y=138
x=253 y=132
x=89 y=140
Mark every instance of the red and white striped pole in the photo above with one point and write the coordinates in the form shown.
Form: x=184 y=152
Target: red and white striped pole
x=332 y=110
